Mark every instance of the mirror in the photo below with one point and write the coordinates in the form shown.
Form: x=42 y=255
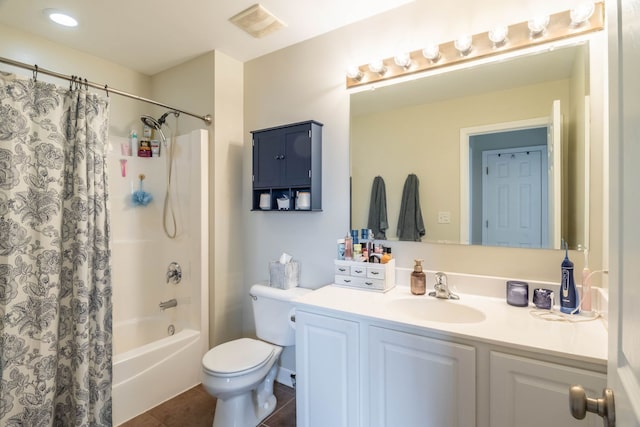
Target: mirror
x=450 y=128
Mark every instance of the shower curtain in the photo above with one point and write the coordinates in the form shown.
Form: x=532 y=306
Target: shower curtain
x=55 y=272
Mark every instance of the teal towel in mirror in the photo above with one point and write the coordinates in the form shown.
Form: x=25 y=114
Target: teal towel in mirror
x=410 y=224
x=377 y=222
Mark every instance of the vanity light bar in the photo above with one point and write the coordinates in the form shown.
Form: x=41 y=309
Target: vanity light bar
x=519 y=36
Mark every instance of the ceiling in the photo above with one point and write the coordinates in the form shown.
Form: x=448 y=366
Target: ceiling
x=150 y=36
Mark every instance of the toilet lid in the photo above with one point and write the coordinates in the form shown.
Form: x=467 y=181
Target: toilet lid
x=236 y=356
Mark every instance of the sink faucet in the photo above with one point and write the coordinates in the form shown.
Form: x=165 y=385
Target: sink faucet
x=441 y=288
x=168 y=304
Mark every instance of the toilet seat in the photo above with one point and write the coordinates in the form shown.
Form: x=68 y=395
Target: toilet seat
x=237 y=357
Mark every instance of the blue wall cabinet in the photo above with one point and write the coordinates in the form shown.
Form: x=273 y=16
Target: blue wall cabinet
x=287 y=167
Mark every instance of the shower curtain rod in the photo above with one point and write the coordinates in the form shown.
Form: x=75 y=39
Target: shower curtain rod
x=37 y=70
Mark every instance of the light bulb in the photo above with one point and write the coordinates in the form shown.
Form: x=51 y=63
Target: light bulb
x=377 y=66
x=403 y=60
x=463 y=44
x=581 y=13
x=431 y=52
x=354 y=73
x=498 y=35
x=538 y=25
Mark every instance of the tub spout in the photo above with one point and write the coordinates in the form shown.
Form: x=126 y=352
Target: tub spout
x=168 y=304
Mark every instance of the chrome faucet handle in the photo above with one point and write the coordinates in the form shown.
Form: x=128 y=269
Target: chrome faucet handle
x=174 y=273
x=442 y=288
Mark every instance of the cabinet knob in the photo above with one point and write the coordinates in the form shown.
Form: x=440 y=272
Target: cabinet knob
x=580 y=404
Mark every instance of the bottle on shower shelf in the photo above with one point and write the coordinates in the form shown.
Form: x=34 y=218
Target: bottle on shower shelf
x=133 y=142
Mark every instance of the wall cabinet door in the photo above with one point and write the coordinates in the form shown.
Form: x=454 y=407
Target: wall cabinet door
x=419 y=381
x=532 y=393
x=327 y=371
x=288 y=160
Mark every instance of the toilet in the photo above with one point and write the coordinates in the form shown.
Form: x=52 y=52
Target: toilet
x=240 y=373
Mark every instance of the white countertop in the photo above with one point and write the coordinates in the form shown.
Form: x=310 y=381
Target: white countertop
x=503 y=324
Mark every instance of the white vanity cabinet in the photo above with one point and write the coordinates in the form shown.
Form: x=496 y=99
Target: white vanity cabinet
x=360 y=364
x=530 y=393
x=328 y=371
x=416 y=381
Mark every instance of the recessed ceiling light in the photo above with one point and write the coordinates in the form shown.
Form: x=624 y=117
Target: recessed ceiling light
x=61 y=18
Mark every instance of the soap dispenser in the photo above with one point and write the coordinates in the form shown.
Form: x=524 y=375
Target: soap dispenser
x=418 y=279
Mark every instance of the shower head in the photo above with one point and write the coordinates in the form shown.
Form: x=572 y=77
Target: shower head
x=157 y=124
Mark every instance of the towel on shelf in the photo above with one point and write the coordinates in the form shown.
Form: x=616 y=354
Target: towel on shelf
x=377 y=222
x=410 y=224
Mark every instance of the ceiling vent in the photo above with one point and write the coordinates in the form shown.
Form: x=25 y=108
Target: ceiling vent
x=257 y=21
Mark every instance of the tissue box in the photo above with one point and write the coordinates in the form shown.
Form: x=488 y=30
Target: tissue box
x=284 y=276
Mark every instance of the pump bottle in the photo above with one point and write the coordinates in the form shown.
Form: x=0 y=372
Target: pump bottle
x=418 y=279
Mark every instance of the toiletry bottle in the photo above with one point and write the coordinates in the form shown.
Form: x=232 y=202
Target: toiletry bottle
x=386 y=257
x=357 y=252
x=348 y=247
x=133 y=142
x=568 y=293
x=418 y=279
x=340 y=249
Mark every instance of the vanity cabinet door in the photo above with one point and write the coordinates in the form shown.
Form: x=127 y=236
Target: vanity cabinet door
x=327 y=371
x=419 y=381
x=532 y=393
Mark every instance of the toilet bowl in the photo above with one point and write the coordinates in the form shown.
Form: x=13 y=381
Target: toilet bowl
x=241 y=373
x=237 y=372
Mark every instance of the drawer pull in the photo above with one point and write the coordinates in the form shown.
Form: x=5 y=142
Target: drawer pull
x=347 y=280
x=358 y=271
x=342 y=269
x=368 y=283
x=375 y=273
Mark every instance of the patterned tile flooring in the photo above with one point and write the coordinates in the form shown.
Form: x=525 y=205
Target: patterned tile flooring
x=195 y=408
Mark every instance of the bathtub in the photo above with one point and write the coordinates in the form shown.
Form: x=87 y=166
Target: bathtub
x=150 y=364
x=152 y=373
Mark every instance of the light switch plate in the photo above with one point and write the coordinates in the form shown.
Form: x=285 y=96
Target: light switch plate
x=444 y=217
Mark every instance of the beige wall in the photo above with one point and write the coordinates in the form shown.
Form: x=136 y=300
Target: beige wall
x=306 y=81
x=379 y=143
x=23 y=47
x=212 y=84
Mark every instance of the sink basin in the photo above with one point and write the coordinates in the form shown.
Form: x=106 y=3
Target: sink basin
x=435 y=310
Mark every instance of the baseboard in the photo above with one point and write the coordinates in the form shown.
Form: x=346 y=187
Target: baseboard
x=284 y=376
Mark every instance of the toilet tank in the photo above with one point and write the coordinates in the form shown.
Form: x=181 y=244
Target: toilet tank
x=272 y=311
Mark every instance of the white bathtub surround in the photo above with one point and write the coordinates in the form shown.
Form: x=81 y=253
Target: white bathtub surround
x=151 y=365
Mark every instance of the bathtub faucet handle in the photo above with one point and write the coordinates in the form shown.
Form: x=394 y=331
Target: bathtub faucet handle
x=174 y=273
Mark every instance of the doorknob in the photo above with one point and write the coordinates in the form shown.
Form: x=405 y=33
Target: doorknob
x=580 y=404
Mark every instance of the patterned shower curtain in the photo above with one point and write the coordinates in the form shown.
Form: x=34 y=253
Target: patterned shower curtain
x=55 y=271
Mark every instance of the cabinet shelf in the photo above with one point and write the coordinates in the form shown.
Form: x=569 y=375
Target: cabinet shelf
x=287 y=165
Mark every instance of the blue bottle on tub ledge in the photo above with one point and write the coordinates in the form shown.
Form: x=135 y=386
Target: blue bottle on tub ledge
x=568 y=292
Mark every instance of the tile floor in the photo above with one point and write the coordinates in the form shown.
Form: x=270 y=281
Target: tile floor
x=195 y=408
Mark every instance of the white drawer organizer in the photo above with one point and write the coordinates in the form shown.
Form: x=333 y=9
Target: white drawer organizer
x=365 y=275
